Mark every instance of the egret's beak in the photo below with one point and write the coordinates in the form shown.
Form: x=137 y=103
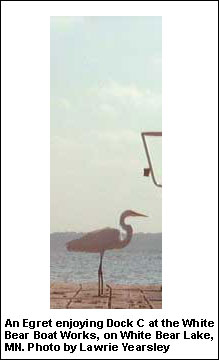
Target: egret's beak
x=138 y=214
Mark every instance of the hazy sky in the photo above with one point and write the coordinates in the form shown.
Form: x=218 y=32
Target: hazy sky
x=105 y=90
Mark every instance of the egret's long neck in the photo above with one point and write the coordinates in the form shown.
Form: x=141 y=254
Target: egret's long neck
x=128 y=230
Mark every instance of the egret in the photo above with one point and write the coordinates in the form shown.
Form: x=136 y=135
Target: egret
x=99 y=241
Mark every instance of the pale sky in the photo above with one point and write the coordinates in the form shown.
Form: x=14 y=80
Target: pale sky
x=106 y=89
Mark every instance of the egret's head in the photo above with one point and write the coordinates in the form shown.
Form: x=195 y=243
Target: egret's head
x=133 y=213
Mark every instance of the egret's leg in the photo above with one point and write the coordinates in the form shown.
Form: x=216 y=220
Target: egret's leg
x=100 y=277
x=99 y=282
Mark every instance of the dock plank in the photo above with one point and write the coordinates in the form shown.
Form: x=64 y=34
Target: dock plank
x=84 y=296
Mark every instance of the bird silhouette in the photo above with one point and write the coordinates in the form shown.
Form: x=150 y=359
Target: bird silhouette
x=99 y=241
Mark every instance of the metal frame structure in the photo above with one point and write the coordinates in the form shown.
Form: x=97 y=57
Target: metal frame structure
x=150 y=170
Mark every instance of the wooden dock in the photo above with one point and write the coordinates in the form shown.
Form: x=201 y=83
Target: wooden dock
x=84 y=296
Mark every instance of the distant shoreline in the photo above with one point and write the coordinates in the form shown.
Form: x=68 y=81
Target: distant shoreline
x=85 y=232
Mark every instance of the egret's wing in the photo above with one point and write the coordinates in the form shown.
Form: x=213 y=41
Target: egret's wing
x=95 y=241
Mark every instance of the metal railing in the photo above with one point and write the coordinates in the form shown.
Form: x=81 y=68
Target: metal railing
x=150 y=170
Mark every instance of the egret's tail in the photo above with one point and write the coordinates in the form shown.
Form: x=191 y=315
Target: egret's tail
x=73 y=245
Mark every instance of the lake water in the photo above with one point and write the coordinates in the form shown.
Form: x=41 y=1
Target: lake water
x=131 y=265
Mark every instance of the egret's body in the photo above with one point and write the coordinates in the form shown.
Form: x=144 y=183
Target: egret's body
x=105 y=239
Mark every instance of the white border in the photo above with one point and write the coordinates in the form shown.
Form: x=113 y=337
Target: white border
x=189 y=142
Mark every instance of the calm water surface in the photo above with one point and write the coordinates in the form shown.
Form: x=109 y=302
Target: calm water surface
x=126 y=266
